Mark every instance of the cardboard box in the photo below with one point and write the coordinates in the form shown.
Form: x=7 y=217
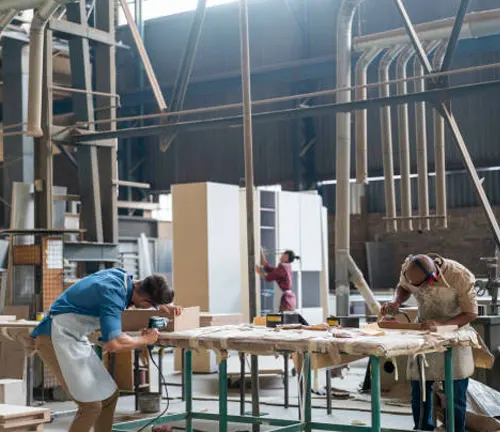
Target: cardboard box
x=12 y=355
x=12 y=392
x=206 y=361
x=138 y=319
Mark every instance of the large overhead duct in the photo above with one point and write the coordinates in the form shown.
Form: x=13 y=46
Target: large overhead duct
x=404 y=140
x=386 y=136
x=476 y=25
x=19 y=5
x=362 y=65
x=421 y=143
x=343 y=163
x=439 y=150
x=37 y=32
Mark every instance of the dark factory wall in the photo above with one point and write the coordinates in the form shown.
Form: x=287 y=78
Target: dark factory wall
x=276 y=39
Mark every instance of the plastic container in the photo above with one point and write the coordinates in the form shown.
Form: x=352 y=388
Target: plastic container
x=149 y=403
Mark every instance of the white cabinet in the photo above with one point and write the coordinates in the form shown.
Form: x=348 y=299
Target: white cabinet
x=206 y=246
x=310 y=232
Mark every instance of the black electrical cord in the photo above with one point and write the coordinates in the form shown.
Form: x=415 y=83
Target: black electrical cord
x=164 y=384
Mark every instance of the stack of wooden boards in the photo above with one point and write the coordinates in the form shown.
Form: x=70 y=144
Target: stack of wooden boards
x=19 y=418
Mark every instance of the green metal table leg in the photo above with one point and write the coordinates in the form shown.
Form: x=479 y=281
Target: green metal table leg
x=223 y=396
x=188 y=388
x=307 y=391
x=375 y=393
x=448 y=390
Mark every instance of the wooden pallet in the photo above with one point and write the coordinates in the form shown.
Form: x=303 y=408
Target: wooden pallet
x=20 y=418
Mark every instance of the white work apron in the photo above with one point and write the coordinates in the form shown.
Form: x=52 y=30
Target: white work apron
x=86 y=377
x=440 y=302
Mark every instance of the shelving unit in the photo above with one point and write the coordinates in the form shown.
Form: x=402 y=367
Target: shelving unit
x=267 y=210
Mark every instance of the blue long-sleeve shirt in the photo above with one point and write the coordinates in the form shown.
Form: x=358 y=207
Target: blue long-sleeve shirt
x=105 y=294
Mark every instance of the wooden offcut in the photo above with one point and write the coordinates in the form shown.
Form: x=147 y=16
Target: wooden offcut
x=15 y=418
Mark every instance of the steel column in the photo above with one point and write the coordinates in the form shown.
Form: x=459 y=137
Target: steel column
x=249 y=189
x=88 y=176
x=469 y=164
x=44 y=174
x=184 y=74
x=109 y=11
x=419 y=49
x=18 y=149
x=106 y=109
x=455 y=35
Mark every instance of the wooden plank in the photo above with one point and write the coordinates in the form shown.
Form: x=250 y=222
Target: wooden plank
x=137 y=205
x=8 y=412
x=397 y=325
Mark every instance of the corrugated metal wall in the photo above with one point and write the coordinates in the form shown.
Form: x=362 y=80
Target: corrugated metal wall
x=217 y=155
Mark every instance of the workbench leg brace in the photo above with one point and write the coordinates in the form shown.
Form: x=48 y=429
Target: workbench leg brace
x=306 y=424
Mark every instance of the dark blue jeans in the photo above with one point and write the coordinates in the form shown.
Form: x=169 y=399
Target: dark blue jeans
x=460 y=398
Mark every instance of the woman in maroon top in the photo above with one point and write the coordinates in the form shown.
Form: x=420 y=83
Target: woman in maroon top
x=282 y=274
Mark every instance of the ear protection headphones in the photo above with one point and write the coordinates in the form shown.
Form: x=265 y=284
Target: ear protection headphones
x=430 y=277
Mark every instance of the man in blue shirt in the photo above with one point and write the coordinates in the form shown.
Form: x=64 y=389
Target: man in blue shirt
x=96 y=302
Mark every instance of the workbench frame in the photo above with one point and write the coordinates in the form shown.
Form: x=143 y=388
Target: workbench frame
x=305 y=423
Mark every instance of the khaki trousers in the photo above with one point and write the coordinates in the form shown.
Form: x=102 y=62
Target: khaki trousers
x=97 y=415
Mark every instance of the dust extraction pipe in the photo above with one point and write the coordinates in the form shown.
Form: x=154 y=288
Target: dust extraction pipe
x=40 y=20
x=476 y=25
x=404 y=140
x=343 y=152
x=386 y=134
x=439 y=150
x=6 y=18
x=362 y=65
x=19 y=5
x=421 y=144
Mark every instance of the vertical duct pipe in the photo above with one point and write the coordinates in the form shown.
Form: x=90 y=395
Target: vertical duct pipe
x=421 y=140
x=386 y=135
x=40 y=19
x=364 y=61
x=404 y=140
x=345 y=19
x=439 y=151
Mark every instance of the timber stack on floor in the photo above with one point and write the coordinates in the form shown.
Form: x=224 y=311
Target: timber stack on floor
x=15 y=418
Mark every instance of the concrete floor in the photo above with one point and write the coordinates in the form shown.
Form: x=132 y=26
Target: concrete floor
x=396 y=412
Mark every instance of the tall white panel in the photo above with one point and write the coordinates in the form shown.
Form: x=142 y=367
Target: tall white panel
x=224 y=263
x=310 y=232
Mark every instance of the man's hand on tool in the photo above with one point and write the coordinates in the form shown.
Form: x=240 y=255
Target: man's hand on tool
x=176 y=310
x=429 y=324
x=390 y=308
x=150 y=336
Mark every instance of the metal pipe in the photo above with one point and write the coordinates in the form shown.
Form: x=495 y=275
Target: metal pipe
x=184 y=75
x=476 y=25
x=421 y=142
x=6 y=18
x=404 y=140
x=19 y=5
x=361 y=116
x=386 y=135
x=343 y=163
x=439 y=151
x=83 y=136
x=249 y=191
x=40 y=20
x=160 y=100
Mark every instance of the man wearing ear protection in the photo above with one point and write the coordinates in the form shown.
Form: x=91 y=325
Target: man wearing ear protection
x=445 y=294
